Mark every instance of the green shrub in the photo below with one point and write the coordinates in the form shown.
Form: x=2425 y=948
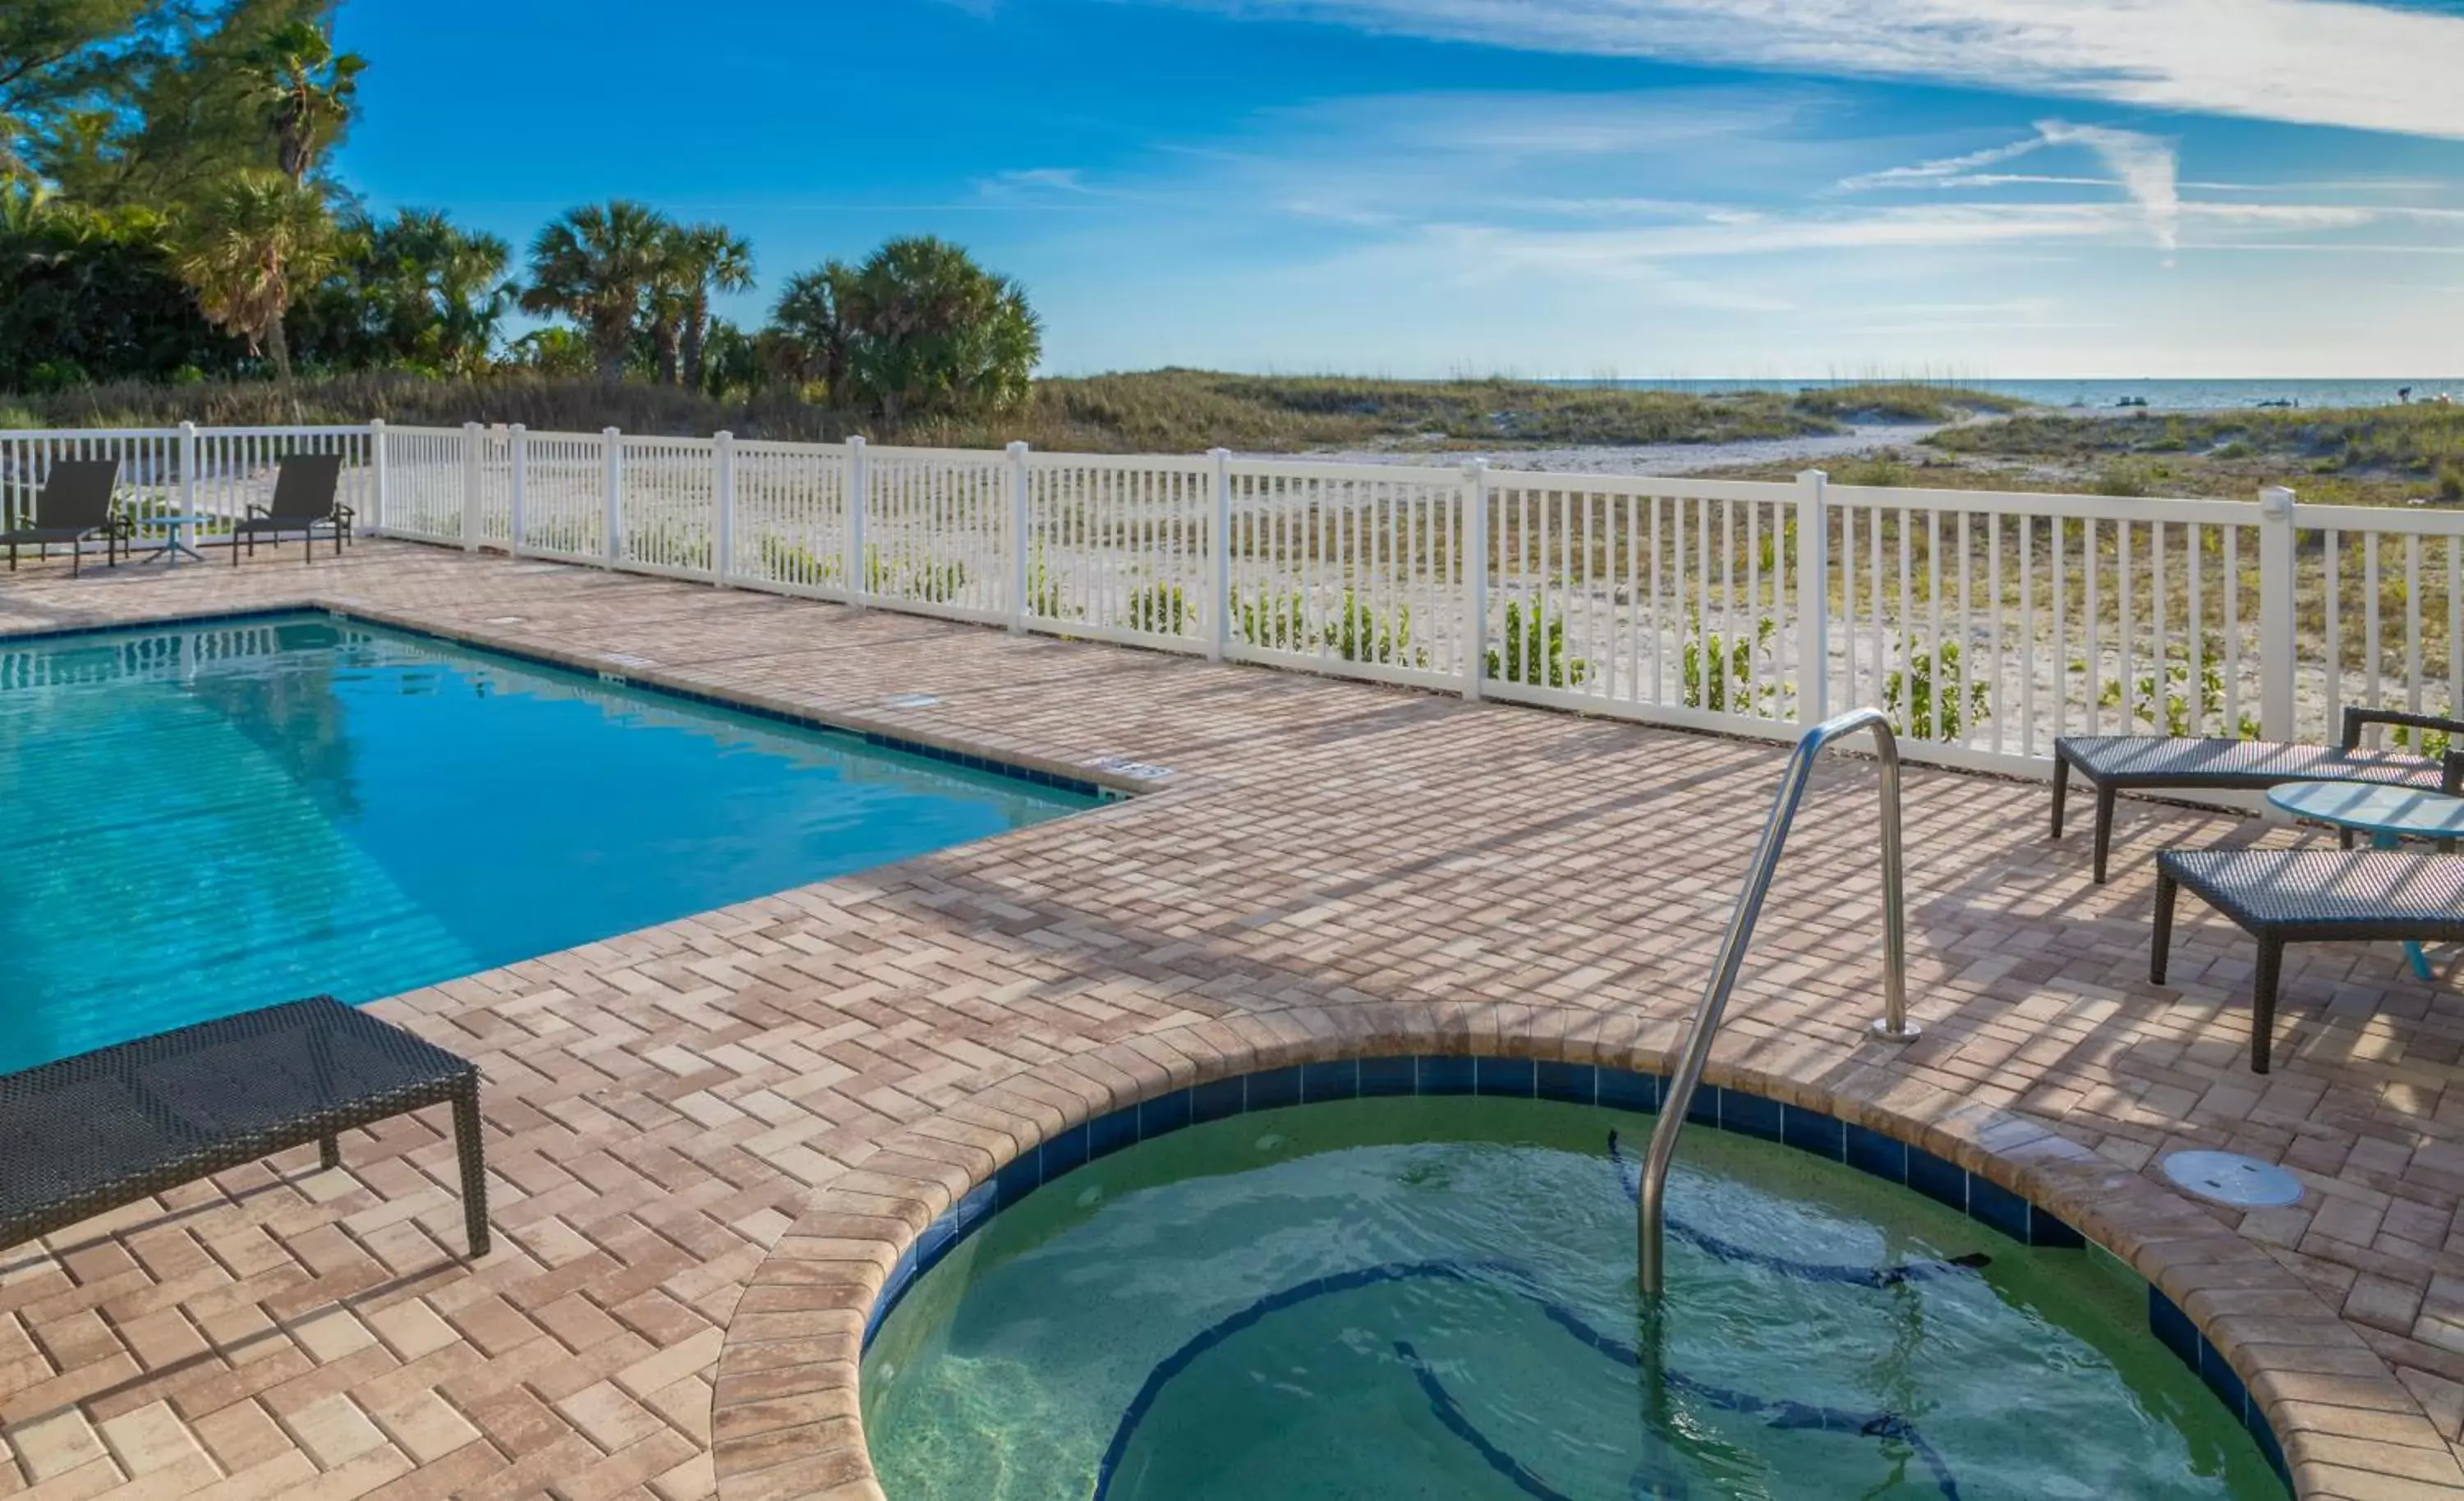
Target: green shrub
x=1720 y=673
x=1357 y=632
x=2176 y=711
x=1272 y=623
x=2126 y=480
x=1160 y=609
x=1535 y=653
x=1043 y=589
x=1883 y=471
x=793 y=562
x=918 y=579
x=1915 y=693
x=2431 y=743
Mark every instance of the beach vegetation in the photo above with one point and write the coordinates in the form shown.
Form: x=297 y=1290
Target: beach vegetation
x=1934 y=683
x=1534 y=650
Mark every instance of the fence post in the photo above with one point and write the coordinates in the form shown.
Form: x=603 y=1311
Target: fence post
x=2277 y=617
x=1019 y=602
x=1813 y=597
x=613 y=470
x=722 y=546
x=187 y=472
x=1219 y=559
x=858 y=481
x=517 y=449
x=1476 y=573
x=470 y=478
x=376 y=466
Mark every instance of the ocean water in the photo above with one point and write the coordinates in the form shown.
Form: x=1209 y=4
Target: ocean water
x=197 y=821
x=2165 y=396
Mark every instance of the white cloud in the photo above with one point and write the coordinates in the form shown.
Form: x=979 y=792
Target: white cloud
x=2145 y=163
x=2324 y=62
x=1943 y=170
x=1947 y=226
x=1063 y=178
x=2144 y=167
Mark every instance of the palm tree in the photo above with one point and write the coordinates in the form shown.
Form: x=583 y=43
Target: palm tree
x=13 y=164
x=666 y=301
x=247 y=248
x=440 y=288
x=714 y=260
x=594 y=266
x=932 y=331
x=808 y=328
x=309 y=91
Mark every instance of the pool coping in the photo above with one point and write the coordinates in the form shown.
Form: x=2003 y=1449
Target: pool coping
x=615 y=669
x=787 y=1413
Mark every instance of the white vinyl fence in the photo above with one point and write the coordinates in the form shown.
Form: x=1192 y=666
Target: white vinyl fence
x=1984 y=624
x=214 y=473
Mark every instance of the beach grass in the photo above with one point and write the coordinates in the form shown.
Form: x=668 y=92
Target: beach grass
x=2366 y=454
x=1157 y=411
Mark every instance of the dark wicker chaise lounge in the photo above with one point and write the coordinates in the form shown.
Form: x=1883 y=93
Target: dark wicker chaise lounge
x=108 y=1127
x=2283 y=897
x=303 y=500
x=2118 y=763
x=74 y=504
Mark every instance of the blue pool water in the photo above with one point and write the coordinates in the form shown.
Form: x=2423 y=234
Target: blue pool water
x=1408 y=1299
x=198 y=820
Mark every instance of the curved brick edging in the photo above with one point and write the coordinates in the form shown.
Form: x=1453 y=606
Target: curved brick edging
x=787 y=1416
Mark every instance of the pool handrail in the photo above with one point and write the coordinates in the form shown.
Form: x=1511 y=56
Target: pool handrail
x=1892 y=1027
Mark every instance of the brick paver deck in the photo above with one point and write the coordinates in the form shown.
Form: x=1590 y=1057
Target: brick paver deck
x=1330 y=864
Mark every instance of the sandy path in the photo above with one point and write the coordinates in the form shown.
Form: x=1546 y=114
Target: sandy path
x=1655 y=457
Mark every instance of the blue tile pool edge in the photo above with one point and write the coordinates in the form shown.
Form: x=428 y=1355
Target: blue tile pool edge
x=1722 y=1108
x=630 y=677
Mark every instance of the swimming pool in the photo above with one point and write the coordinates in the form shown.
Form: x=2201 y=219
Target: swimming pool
x=1434 y=1297
x=201 y=819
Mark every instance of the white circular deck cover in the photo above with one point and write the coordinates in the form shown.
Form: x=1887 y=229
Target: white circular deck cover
x=2230 y=1178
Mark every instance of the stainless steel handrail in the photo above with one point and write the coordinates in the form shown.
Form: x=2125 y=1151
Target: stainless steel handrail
x=1892 y=1027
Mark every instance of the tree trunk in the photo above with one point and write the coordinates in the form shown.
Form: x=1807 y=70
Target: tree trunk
x=696 y=334
x=663 y=338
x=277 y=348
x=610 y=342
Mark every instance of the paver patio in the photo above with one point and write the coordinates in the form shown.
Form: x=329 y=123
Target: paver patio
x=1328 y=861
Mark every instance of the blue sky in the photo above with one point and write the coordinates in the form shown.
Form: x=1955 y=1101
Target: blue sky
x=2001 y=189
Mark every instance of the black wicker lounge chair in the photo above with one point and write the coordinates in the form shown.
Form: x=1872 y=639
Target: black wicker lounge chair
x=74 y=504
x=2284 y=896
x=303 y=501
x=2119 y=763
x=106 y=1128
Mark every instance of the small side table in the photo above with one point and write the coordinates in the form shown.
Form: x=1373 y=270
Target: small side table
x=2385 y=814
x=176 y=531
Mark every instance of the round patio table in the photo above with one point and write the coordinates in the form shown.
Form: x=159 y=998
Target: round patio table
x=2387 y=814
x=176 y=531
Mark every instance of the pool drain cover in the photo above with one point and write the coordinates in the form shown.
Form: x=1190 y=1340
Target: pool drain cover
x=911 y=700
x=1121 y=764
x=2230 y=1178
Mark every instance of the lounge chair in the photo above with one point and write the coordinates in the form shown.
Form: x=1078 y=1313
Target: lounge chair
x=303 y=500
x=2118 y=763
x=109 y=1127
x=74 y=504
x=2283 y=897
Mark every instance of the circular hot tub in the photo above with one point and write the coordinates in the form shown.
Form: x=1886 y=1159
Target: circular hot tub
x=1408 y=1291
